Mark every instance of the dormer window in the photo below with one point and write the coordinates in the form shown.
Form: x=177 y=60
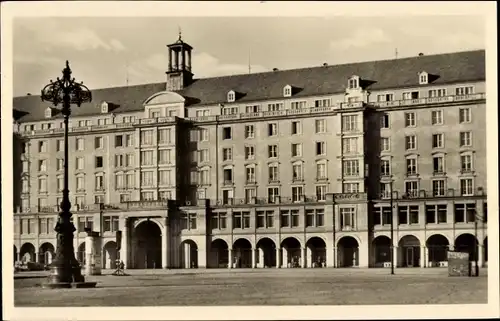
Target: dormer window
x=48 y=112
x=104 y=107
x=423 y=78
x=353 y=82
x=231 y=96
x=287 y=91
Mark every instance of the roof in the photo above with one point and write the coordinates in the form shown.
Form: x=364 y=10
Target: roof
x=451 y=68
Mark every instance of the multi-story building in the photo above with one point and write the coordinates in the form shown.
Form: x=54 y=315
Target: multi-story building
x=276 y=169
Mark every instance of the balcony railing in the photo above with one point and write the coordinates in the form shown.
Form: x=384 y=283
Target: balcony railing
x=424 y=194
x=430 y=100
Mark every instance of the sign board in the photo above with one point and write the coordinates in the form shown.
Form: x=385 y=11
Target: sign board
x=458 y=264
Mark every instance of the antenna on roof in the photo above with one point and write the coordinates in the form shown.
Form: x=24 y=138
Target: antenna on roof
x=180 y=33
x=396 y=53
x=249 y=64
x=126 y=70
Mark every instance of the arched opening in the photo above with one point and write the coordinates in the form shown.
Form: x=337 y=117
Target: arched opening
x=242 y=254
x=467 y=243
x=46 y=253
x=110 y=255
x=348 y=252
x=148 y=246
x=189 y=254
x=27 y=253
x=437 y=247
x=485 y=250
x=382 y=250
x=409 y=251
x=291 y=252
x=316 y=252
x=266 y=253
x=81 y=254
x=219 y=254
x=15 y=254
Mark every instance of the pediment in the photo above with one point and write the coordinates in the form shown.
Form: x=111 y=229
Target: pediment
x=165 y=98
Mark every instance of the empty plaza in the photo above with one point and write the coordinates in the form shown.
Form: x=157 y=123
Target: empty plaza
x=216 y=287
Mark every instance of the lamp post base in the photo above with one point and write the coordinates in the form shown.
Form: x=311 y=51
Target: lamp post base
x=62 y=277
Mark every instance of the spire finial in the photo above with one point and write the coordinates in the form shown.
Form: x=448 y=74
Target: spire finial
x=180 y=34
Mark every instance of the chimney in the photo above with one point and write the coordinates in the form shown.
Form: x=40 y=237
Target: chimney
x=275 y=69
x=28 y=94
x=420 y=54
x=325 y=64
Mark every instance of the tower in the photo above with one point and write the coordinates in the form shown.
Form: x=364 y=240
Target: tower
x=179 y=73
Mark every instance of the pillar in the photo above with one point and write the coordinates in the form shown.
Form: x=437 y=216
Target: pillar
x=93 y=254
x=254 y=261
x=124 y=244
x=363 y=256
x=285 y=257
x=261 y=257
x=422 y=256
x=230 y=259
x=310 y=257
x=278 y=258
x=37 y=257
x=395 y=256
x=187 y=255
x=164 y=249
x=303 y=258
x=480 y=254
x=331 y=258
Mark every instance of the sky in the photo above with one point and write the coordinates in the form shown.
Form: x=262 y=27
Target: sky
x=113 y=51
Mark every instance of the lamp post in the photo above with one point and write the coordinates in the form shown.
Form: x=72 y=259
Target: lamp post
x=65 y=269
x=392 y=229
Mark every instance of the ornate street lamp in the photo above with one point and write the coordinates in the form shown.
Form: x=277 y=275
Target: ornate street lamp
x=65 y=269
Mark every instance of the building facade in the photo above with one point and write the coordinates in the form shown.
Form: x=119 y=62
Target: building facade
x=280 y=169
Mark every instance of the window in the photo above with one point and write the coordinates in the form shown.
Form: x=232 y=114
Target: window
x=164 y=135
x=275 y=107
x=230 y=111
x=98 y=162
x=385 y=144
x=272 y=151
x=252 y=109
x=322 y=103
x=383 y=215
x=188 y=221
x=80 y=163
x=147 y=157
x=80 y=183
x=250 y=194
x=438 y=187
x=423 y=78
x=165 y=156
x=438 y=164
x=349 y=123
x=231 y=96
x=465 y=213
x=466 y=163
x=350 y=167
x=119 y=141
x=384 y=121
x=203 y=155
x=287 y=91
x=296 y=150
x=465 y=139
x=85 y=222
x=385 y=97
x=350 y=187
x=249 y=131
x=272 y=129
x=80 y=144
x=320 y=126
x=228 y=175
x=411 y=142
x=227 y=196
x=265 y=219
x=60 y=145
x=410 y=120
x=353 y=83
x=60 y=183
x=273 y=173
x=226 y=133
x=98 y=142
x=411 y=95
x=147 y=196
x=297 y=192
x=411 y=188
x=164 y=195
x=385 y=167
x=464 y=115
x=466 y=188
x=296 y=128
x=165 y=177
x=119 y=180
x=350 y=145
x=146 y=137
x=42 y=184
x=347 y=218
x=204 y=177
x=462 y=91
x=408 y=214
x=25 y=185
x=437 y=140
x=437 y=117
x=249 y=152
x=227 y=154
x=42 y=165
x=42 y=146
x=129 y=140
x=320 y=148
x=298 y=105
x=99 y=181
x=437 y=93
x=273 y=194
x=320 y=171
x=321 y=192
x=297 y=172
x=250 y=174
x=111 y=223
x=147 y=178
x=130 y=180
x=385 y=190
x=435 y=214
x=218 y=221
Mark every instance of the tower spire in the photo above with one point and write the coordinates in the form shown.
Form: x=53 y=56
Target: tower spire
x=180 y=33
